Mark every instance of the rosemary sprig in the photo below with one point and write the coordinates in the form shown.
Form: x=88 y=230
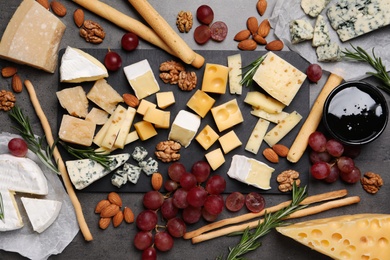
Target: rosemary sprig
x=35 y=143
x=247 y=77
x=88 y=153
x=1 y=208
x=249 y=240
x=359 y=54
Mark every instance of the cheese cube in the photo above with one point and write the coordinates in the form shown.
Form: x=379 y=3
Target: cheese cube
x=165 y=99
x=141 y=79
x=97 y=116
x=144 y=105
x=282 y=129
x=145 y=130
x=207 y=137
x=184 y=127
x=104 y=95
x=215 y=78
x=278 y=78
x=235 y=73
x=77 y=131
x=74 y=100
x=215 y=158
x=227 y=115
x=260 y=101
x=257 y=136
x=229 y=141
x=32 y=37
x=201 y=103
x=166 y=121
x=156 y=116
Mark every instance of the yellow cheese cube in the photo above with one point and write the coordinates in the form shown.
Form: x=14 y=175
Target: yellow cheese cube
x=77 y=131
x=145 y=130
x=207 y=137
x=215 y=158
x=156 y=116
x=227 y=115
x=165 y=99
x=215 y=78
x=166 y=121
x=229 y=141
x=201 y=103
x=144 y=105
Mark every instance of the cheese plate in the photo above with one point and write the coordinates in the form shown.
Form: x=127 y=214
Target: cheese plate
x=195 y=152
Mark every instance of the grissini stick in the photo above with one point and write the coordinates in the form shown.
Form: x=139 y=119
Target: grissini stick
x=313 y=120
x=167 y=34
x=60 y=163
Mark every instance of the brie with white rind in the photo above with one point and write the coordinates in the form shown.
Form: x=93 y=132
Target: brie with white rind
x=78 y=66
x=41 y=212
x=184 y=127
x=18 y=174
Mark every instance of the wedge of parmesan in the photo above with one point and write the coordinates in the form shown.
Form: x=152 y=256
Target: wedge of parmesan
x=74 y=100
x=104 y=95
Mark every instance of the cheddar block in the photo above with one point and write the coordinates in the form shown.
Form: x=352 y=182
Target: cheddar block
x=274 y=118
x=215 y=78
x=156 y=116
x=104 y=95
x=166 y=121
x=144 y=105
x=359 y=236
x=117 y=120
x=235 y=73
x=215 y=158
x=227 y=115
x=165 y=99
x=207 y=137
x=145 y=130
x=125 y=128
x=264 y=102
x=77 y=131
x=33 y=37
x=282 y=129
x=74 y=100
x=229 y=141
x=98 y=116
x=201 y=103
x=257 y=136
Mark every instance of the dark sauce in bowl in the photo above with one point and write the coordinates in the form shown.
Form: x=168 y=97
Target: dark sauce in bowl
x=355 y=113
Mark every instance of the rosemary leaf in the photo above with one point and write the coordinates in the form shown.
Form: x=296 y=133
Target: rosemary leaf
x=247 y=77
x=1 y=208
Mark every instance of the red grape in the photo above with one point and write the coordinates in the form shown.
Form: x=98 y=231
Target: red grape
x=163 y=241
x=334 y=148
x=352 y=176
x=18 y=147
x=175 y=171
x=179 y=198
x=170 y=185
x=168 y=210
x=314 y=72
x=149 y=254
x=176 y=227
x=214 y=204
x=188 y=181
x=345 y=164
x=320 y=170
x=254 y=202
x=319 y=157
x=143 y=240
x=216 y=184
x=146 y=220
x=201 y=170
x=208 y=216
x=333 y=174
x=219 y=31
x=317 y=141
x=129 y=41
x=205 y=14
x=112 y=61
x=153 y=200
x=196 y=196
x=235 y=201
x=202 y=34
x=191 y=214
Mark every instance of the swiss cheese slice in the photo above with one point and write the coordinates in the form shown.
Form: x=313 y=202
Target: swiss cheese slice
x=360 y=236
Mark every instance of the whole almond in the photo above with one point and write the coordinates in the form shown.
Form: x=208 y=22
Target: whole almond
x=242 y=35
x=275 y=45
x=252 y=24
x=117 y=219
x=101 y=205
x=17 y=84
x=261 y=6
x=280 y=150
x=131 y=100
x=264 y=28
x=58 y=8
x=78 y=17
x=157 y=181
x=109 y=211
x=247 y=45
x=44 y=3
x=128 y=215
x=8 y=71
x=104 y=222
x=259 y=39
x=114 y=198
x=270 y=155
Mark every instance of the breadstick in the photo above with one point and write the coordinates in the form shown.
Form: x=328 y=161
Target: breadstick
x=229 y=221
x=300 y=213
x=57 y=157
x=313 y=120
x=166 y=33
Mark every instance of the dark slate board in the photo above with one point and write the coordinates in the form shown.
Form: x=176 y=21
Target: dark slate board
x=195 y=152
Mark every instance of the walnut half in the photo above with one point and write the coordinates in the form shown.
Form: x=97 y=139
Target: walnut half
x=286 y=180
x=371 y=182
x=92 y=32
x=7 y=100
x=168 y=151
x=184 y=21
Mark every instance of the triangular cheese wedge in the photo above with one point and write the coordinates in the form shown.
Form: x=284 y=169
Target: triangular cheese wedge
x=360 y=236
x=41 y=212
x=78 y=66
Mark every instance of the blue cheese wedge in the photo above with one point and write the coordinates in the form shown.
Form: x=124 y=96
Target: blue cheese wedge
x=300 y=30
x=313 y=7
x=353 y=18
x=86 y=171
x=329 y=52
x=149 y=166
x=139 y=153
x=321 y=32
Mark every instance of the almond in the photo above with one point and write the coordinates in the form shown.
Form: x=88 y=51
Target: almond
x=117 y=219
x=9 y=71
x=131 y=100
x=78 y=17
x=276 y=45
x=101 y=205
x=252 y=24
x=270 y=155
x=104 y=222
x=157 y=181
x=17 y=84
x=242 y=35
x=114 y=198
x=264 y=28
x=44 y=3
x=247 y=45
x=259 y=39
x=58 y=8
x=280 y=150
x=128 y=215
x=109 y=211
x=261 y=6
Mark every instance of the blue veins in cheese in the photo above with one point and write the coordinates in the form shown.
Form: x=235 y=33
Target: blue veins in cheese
x=251 y=172
x=329 y=52
x=313 y=7
x=321 y=32
x=139 y=153
x=149 y=166
x=300 y=30
x=119 y=178
x=352 y=18
x=83 y=172
x=128 y=172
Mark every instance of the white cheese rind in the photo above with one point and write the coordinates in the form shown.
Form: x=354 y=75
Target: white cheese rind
x=184 y=127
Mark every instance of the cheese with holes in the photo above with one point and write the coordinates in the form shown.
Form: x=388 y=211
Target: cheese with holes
x=78 y=66
x=278 y=78
x=33 y=37
x=18 y=174
x=227 y=115
x=279 y=131
x=76 y=131
x=184 y=127
x=235 y=73
x=360 y=236
x=74 y=100
x=104 y=95
x=207 y=137
x=215 y=78
x=201 y=103
x=41 y=212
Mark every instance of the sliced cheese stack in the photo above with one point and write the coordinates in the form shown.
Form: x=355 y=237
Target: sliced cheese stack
x=360 y=236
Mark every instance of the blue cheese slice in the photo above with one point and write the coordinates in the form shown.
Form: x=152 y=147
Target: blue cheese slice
x=139 y=153
x=313 y=7
x=149 y=166
x=133 y=172
x=300 y=30
x=329 y=53
x=86 y=171
x=321 y=32
x=119 y=178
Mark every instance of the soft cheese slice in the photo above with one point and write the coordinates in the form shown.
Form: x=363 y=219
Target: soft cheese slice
x=264 y=102
x=41 y=212
x=184 y=127
x=18 y=174
x=74 y=100
x=360 y=236
x=78 y=66
x=235 y=73
x=104 y=95
x=33 y=37
x=86 y=171
x=279 y=78
x=321 y=32
x=257 y=136
x=313 y=7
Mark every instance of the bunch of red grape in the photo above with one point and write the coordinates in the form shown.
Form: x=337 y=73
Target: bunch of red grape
x=216 y=31
x=332 y=160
